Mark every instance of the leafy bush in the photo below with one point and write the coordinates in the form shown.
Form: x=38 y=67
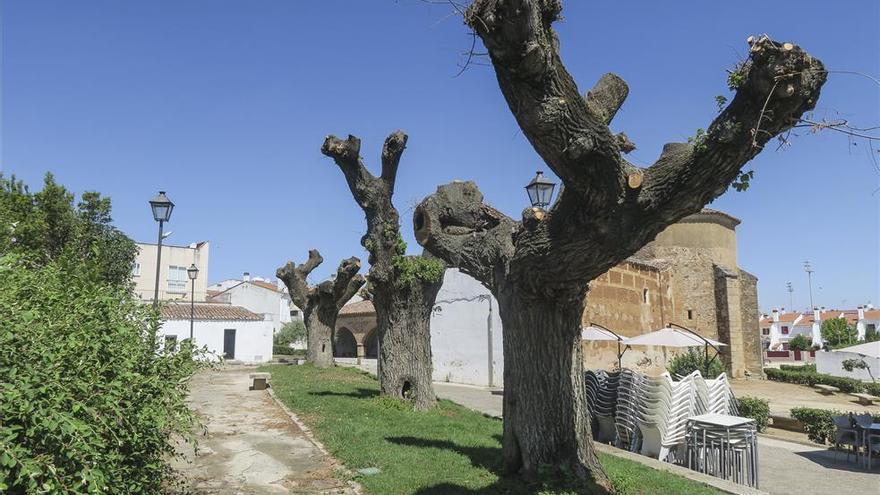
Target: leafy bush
x=871 y=334
x=800 y=342
x=873 y=389
x=800 y=368
x=88 y=398
x=284 y=350
x=291 y=333
x=837 y=332
x=687 y=362
x=818 y=423
x=811 y=378
x=755 y=408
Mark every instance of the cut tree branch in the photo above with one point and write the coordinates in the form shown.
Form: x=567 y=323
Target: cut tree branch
x=391 y=153
x=295 y=277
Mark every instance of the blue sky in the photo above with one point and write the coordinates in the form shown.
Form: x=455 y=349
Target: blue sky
x=225 y=104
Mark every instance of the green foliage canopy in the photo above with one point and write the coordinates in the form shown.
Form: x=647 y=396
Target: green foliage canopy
x=687 y=362
x=46 y=226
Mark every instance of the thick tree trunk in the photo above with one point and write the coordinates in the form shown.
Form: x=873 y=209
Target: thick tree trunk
x=404 y=317
x=546 y=421
x=320 y=339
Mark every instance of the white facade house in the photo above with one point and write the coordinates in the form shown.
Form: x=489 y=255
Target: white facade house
x=258 y=295
x=466 y=341
x=230 y=332
x=173 y=281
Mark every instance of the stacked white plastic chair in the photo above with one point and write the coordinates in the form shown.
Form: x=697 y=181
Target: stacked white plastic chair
x=664 y=408
x=629 y=389
x=601 y=388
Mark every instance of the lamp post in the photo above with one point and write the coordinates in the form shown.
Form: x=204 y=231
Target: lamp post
x=192 y=272
x=790 y=289
x=809 y=269
x=161 y=207
x=540 y=190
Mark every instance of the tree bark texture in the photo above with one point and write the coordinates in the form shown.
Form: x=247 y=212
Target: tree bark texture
x=404 y=287
x=321 y=303
x=539 y=267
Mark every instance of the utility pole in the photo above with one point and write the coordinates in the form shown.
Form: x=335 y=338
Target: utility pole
x=809 y=269
x=790 y=295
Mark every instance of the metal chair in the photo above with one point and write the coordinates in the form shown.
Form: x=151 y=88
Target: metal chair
x=845 y=434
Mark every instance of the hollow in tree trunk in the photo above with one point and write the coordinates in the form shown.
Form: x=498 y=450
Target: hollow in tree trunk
x=539 y=267
x=321 y=304
x=404 y=287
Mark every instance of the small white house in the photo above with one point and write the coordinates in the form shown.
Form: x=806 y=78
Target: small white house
x=231 y=332
x=259 y=296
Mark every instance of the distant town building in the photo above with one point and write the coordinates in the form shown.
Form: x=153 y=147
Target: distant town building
x=173 y=281
x=230 y=332
x=779 y=327
x=258 y=295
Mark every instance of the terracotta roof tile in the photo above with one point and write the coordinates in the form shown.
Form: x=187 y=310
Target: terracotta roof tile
x=265 y=285
x=358 y=308
x=207 y=311
x=872 y=314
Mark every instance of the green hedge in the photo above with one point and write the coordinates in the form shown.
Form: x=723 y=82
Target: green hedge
x=800 y=368
x=818 y=423
x=873 y=389
x=755 y=408
x=809 y=378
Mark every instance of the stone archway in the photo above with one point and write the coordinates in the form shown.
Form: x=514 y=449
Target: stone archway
x=345 y=345
x=371 y=345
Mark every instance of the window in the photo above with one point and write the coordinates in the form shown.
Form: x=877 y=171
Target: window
x=690 y=314
x=645 y=296
x=177 y=279
x=765 y=331
x=136 y=269
x=294 y=312
x=784 y=330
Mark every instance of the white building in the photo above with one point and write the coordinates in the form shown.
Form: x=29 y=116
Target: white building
x=231 y=332
x=173 y=281
x=466 y=342
x=258 y=295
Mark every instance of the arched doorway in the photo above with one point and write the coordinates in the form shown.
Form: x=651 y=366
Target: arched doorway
x=371 y=345
x=345 y=346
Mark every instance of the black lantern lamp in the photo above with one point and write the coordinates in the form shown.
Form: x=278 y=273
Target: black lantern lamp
x=161 y=207
x=192 y=272
x=540 y=190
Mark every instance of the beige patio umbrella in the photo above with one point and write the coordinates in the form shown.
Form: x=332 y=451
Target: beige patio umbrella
x=596 y=332
x=677 y=337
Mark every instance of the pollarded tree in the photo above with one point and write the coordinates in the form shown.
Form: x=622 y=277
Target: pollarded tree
x=403 y=287
x=539 y=268
x=321 y=303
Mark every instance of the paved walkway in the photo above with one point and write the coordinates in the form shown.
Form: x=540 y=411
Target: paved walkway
x=785 y=467
x=251 y=446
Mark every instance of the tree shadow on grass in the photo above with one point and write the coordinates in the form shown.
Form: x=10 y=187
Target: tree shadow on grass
x=490 y=458
x=359 y=393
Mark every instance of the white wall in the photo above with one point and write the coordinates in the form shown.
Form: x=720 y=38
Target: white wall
x=462 y=338
x=259 y=300
x=832 y=363
x=253 y=339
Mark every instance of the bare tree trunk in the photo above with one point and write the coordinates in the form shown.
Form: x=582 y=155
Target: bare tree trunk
x=321 y=303
x=546 y=421
x=404 y=287
x=320 y=339
x=404 y=318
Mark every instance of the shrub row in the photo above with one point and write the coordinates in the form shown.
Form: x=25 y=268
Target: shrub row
x=809 y=378
x=818 y=423
x=800 y=368
x=755 y=408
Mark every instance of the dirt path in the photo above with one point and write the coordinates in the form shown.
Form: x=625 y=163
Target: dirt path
x=784 y=396
x=252 y=446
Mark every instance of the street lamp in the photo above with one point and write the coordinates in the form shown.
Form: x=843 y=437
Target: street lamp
x=161 y=207
x=540 y=190
x=192 y=272
x=809 y=269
